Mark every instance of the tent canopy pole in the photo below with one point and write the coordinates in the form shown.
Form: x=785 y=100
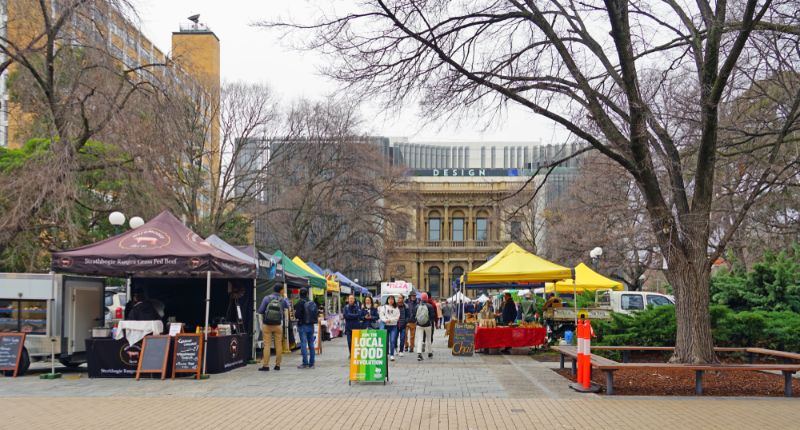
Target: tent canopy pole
x=208 y=302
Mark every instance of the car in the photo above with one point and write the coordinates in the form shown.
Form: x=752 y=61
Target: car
x=628 y=302
x=115 y=306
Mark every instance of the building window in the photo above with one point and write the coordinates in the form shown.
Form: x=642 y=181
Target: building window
x=516 y=230
x=434 y=281
x=482 y=229
x=401 y=232
x=434 y=229
x=458 y=229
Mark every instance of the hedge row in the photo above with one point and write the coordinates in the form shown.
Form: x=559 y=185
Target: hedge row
x=656 y=327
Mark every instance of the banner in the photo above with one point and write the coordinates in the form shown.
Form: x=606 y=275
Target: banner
x=368 y=359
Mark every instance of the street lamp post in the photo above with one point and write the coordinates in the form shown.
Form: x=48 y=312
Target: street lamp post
x=595 y=255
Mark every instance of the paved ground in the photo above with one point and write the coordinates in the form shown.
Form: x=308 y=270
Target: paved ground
x=477 y=392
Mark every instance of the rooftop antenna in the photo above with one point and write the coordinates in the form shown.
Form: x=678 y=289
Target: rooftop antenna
x=195 y=18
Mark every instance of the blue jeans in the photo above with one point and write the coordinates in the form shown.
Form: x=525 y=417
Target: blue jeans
x=391 y=330
x=306 y=332
x=401 y=331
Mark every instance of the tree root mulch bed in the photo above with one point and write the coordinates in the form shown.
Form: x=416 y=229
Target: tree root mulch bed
x=679 y=382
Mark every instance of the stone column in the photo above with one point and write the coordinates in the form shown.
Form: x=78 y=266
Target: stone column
x=420 y=223
x=445 y=226
x=469 y=234
x=445 y=287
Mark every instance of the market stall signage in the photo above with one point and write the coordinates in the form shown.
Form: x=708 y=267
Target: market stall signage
x=11 y=351
x=368 y=358
x=155 y=352
x=464 y=339
x=186 y=358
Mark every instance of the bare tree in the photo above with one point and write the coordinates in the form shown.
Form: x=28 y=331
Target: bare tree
x=612 y=74
x=211 y=183
x=70 y=83
x=603 y=207
x=328 y=189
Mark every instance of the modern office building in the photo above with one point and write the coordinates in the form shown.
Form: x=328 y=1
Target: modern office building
x=475 y=155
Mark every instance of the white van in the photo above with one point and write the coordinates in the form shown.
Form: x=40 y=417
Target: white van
x=49 y=306
x=627 y=302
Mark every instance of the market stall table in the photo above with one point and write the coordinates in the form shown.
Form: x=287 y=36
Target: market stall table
x=509 y=337
x=225 y=353
x=112 y=358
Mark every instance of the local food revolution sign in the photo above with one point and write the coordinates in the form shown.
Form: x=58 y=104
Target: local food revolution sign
x=368 y=360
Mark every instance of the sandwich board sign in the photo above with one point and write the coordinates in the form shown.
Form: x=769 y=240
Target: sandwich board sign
x=369 y=361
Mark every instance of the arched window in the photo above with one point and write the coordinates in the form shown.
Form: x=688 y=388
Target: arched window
x=434 y=281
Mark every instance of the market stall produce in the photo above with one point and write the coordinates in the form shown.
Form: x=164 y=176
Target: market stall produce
x=513 y=267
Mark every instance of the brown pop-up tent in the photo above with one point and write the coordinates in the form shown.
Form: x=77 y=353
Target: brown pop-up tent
x=161 y=248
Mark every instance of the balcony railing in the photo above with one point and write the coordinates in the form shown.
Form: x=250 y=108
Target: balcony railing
x=449 y=243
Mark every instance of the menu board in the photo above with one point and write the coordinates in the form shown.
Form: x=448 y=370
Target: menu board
x=11 y=351
x=155 y=351
x=464 y=339
x=187 y=355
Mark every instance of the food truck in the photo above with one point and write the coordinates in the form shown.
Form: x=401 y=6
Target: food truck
x=57 y=313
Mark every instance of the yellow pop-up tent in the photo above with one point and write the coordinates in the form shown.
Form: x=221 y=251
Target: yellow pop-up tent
x=314 y=278
x=514 y=264
x=586 y=279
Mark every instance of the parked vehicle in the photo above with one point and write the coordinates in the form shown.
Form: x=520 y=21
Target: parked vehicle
x=49 y=306
x=115 y=306
x=561 y=317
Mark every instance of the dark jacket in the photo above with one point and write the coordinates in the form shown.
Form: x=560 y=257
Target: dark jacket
x=412 y=311
x=509 y=312
x=403 y=315
x=300 y=311
x=373 y=313
x=142 y=311
x=352 y=317
x=431 y=315
x=283 y=301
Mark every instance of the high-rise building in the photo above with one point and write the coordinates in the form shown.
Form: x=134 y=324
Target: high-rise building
x=196 y=47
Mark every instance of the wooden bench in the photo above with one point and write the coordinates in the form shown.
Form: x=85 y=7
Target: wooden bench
x=610 y=366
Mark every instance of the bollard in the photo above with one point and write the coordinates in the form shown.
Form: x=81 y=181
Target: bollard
x=587 y=351
x=579 y=332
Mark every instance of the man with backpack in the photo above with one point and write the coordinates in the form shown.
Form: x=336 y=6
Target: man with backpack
x=424 y=316
x=272 y=313
x=306 y=312
x=411 y=324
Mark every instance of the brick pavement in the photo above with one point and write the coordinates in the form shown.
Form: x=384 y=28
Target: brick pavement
x=480 y=392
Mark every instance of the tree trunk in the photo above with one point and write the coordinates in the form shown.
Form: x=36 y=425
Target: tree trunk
x=691 y=282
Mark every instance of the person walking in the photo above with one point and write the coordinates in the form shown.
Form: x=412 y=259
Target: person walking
x=411 y=325
x=401 y=325
x=369 y=315
x=352 y=320
x=438 y=313
x=424 y=316
x=306 y=312
x=272 y=316
x=390 y=315
x=447 y=312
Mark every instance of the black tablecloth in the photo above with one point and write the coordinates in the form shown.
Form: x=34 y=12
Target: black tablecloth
x=109 y=358
x=228 y=352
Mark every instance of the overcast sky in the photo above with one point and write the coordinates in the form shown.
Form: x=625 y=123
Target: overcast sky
x=256 y=55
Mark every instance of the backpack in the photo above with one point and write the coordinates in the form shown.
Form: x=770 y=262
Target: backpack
x=273 y=312
x=310 y=311
x=422 y=314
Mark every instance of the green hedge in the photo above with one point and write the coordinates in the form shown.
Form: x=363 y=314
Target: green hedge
x=656 y=327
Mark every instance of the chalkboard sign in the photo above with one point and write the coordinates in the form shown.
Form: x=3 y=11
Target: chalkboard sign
x=11 y=351
x=464 y=339
x=155 y=351
x=187 y=353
